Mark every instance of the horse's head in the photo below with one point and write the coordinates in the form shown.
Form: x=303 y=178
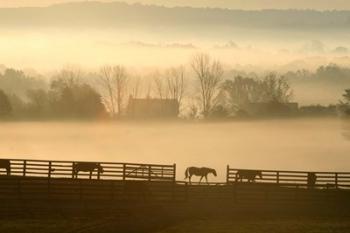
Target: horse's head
x=214 y=172
x=100 y=168
x=259 y=173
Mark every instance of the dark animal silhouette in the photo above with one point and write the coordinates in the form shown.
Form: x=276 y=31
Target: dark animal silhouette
x=250 y=175
x=86 y=167
x=311 y=179
x=202 y=172
x=5 y=163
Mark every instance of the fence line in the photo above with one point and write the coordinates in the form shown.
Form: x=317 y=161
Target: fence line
x=159 y=172
x=294 y=178
x=111 y=170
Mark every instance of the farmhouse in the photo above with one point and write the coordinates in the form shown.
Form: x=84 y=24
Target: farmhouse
x=153 y=108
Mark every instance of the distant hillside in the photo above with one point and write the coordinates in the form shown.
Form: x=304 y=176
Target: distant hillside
x=111 y=15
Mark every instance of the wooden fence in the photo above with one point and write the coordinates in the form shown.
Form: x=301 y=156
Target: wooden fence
x=327 y=180
x=111 y=171
x=38 y=184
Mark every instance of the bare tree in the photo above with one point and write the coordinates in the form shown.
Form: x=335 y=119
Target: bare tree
x=176 y=83
x=67 y=77
x=135 y=86
x=115 y=82
x=160 y=85
x=276 y=89
x=121 y=81
x=241 y=91
x=209 y=74
x=107 y=82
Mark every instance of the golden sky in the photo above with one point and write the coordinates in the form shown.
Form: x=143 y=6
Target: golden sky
x=239 y=4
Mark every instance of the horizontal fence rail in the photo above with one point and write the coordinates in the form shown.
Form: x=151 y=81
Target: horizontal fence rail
x=108 y=171
x=306 y=179
x=54 y=184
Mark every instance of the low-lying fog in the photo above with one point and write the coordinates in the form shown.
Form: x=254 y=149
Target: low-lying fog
x=47 y=50
x=308 y=144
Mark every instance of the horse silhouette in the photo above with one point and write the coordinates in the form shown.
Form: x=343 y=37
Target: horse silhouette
x=5 y=163
x=250 y=175
x=86 y=167
x=202 y=172
x=311 y=180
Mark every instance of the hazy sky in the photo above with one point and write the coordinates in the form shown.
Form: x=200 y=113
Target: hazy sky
x=241 y=4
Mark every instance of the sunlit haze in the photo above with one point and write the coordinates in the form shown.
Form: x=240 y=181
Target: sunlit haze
x=234 y=4
x=174 y=116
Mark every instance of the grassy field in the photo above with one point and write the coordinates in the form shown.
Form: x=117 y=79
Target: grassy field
x=82 y=225
x=204 y=225
x=268 y=225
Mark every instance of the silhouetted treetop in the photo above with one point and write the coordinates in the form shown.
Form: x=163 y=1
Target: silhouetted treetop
x=5 y=105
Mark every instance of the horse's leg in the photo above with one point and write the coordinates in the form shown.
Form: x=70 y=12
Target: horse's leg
x=90 y=175
x=206 y=178
x=200 y=180
x=189 y=179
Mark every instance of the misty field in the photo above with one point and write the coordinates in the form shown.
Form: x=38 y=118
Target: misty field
x=304 y=144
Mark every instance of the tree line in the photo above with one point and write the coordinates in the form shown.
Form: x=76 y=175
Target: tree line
x=202 y=90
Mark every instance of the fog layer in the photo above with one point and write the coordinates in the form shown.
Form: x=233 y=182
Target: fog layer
x=311 y=144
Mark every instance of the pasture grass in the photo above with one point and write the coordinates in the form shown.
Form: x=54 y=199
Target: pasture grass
x=197 y=225
x=262 y=225
x=79 y=225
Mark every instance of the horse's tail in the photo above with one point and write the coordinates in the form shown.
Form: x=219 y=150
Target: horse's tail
x=186 y=174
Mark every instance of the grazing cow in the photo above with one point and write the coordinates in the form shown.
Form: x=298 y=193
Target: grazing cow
x=86 y=167
x=202 y=172
x=5 y=163
x=250 y=175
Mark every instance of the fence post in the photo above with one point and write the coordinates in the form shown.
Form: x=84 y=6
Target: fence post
x=149 y=173
x=227 y=174
x=336 y=180
x=73 y=171
x=174 y=167
x=24 y=167
x=98 y=172
x=50 y=169
x=278 y=177
x=124 y=171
